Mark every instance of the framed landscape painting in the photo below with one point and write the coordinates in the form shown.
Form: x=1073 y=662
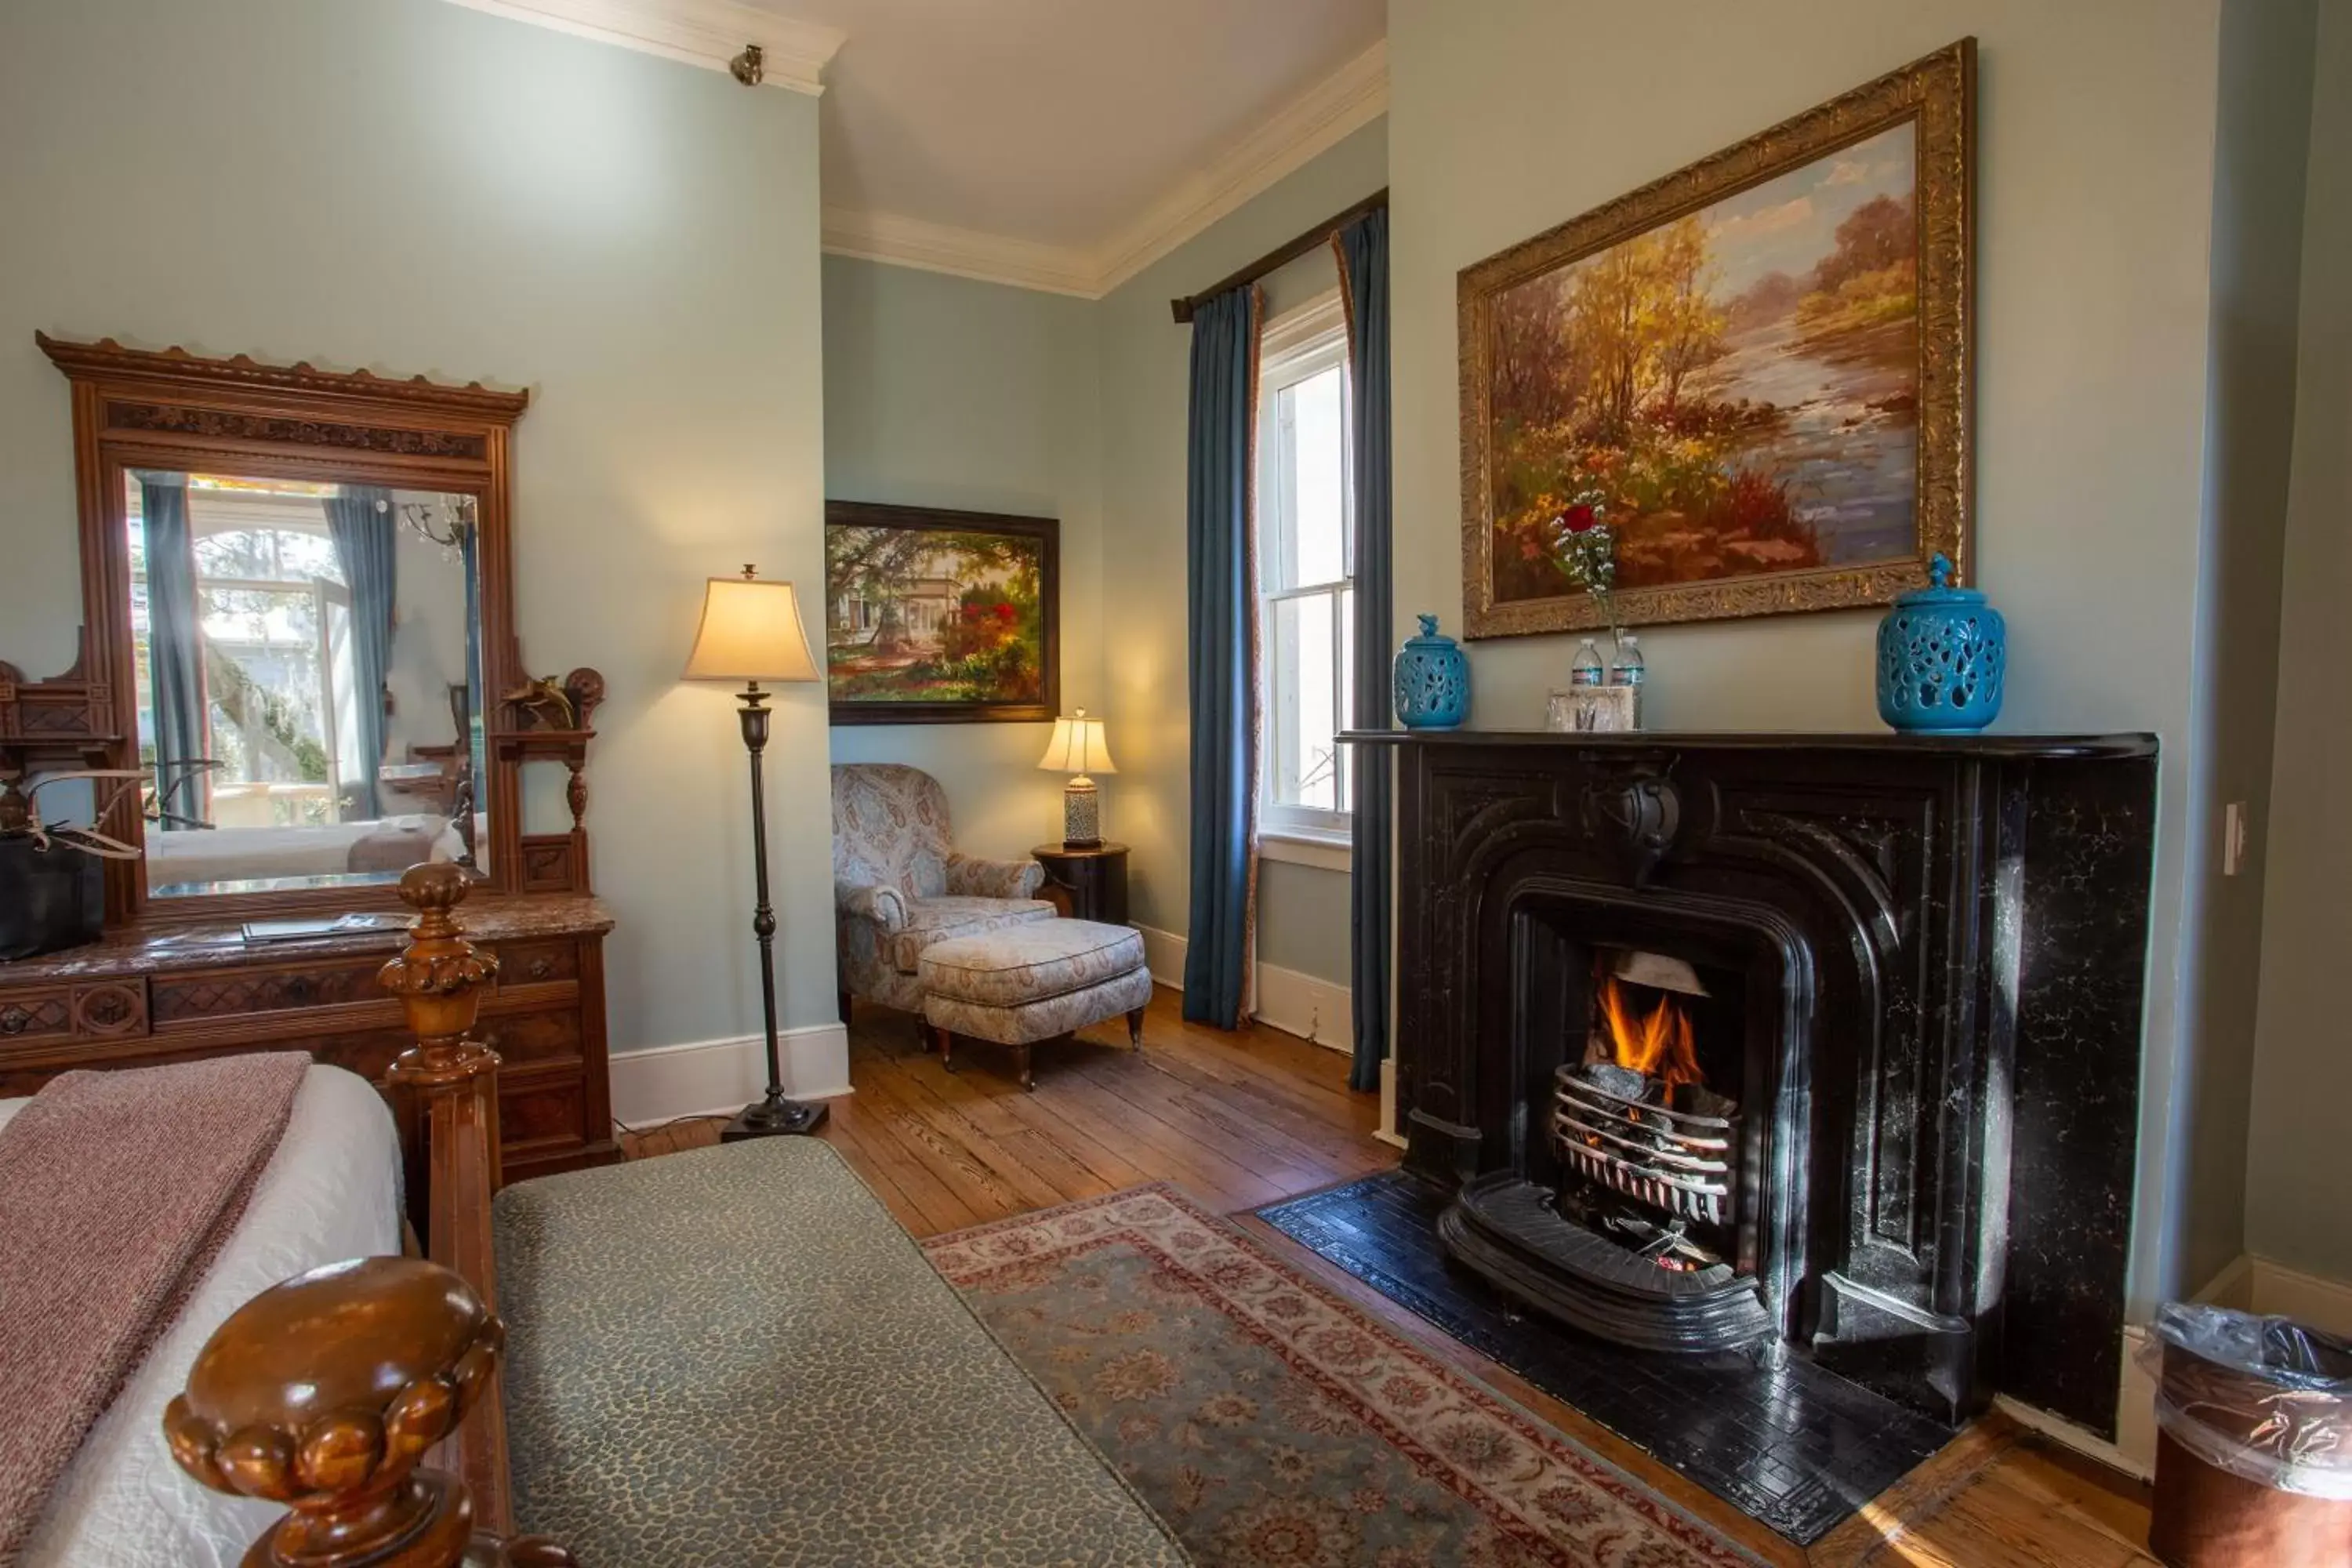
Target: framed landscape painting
x=1755 y=372
x=934 y=617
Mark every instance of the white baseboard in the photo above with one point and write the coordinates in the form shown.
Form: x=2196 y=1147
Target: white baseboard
x=2310 y=1299
x=1387 y=1131
x=701 y=1078
x=1302 y=1005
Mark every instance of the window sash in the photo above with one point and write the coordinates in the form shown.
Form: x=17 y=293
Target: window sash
x=1294 y=347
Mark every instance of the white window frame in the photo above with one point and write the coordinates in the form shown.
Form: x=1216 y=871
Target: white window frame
x=1300 y=343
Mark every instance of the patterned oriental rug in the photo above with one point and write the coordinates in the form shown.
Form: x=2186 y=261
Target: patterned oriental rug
x=1271 y=1423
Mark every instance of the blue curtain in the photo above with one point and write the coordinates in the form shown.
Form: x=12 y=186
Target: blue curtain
x=1222 y=610
x=175 y=658
x=1363 y=247
x=360 y=522
x=471 y=740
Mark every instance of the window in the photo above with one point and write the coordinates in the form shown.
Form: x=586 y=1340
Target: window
x=1305 y=554
x=273 y=620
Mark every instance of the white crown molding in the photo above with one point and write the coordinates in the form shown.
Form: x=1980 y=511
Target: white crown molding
x=706 y=32
x=1341 y=104
x=959 y=252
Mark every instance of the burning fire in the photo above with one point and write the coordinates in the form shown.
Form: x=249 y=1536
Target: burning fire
x=1658 y=1044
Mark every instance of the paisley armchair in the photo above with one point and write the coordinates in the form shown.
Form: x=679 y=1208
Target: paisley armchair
x=899 y=884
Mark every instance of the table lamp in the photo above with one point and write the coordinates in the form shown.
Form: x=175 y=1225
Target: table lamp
x=751 y=632
x=1078 y=749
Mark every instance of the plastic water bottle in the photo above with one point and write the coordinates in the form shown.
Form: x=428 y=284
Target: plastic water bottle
x=1628 y=669
x=1587 y=670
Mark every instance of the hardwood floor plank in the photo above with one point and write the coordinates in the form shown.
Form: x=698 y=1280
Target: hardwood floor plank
x=1282 y=1123
x=933 y=1205
x=1153 y=1094
x=990 y=1181
x=1029 y=1167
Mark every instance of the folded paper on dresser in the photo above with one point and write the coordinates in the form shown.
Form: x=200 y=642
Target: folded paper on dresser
x=116 y=1189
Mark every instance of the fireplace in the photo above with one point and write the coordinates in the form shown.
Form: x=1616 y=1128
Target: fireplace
x=1786 y=1046
x=1651 y=1048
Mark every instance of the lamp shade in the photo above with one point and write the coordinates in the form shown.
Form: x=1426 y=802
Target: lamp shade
x=1077 y=747
x=750 y=631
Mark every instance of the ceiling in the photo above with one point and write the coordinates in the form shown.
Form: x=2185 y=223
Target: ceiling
x=1061 y=144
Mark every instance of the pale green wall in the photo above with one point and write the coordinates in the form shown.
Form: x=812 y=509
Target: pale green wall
x=2302 y=1069
x=1146 y=361
x=2094 y=186
x=943 y=392
x=1303 y=920
x=421 y=187
x=2263 y=138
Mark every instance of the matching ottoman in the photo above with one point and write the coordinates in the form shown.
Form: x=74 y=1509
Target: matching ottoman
x=1039 y=981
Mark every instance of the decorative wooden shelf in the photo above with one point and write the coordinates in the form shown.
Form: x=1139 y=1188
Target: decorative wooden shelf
x=66 y=722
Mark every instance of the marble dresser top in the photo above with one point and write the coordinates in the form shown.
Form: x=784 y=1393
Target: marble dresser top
x=157 y=947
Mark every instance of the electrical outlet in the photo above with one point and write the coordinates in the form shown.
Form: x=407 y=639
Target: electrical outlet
x=2233 y=838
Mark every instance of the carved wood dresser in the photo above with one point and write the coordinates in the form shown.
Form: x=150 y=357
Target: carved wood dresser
x=173 y=978
x=153 y=992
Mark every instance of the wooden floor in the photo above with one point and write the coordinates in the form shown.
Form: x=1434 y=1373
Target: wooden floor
x=1241 y=1120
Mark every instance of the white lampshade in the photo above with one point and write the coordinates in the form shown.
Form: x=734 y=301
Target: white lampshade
x=1077 y=747
x=750 y=631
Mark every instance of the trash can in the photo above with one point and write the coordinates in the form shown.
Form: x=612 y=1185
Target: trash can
x=2253 y=1449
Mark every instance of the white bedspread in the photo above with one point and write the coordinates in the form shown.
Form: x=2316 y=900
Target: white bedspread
x=330 y=1192
x=233 y=853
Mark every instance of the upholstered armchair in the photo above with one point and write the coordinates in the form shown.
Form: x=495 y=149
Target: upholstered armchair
x=899 y=885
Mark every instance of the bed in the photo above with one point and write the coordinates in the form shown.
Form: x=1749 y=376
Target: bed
x=350 y=1164
x=331 y=1190
x=324 y=849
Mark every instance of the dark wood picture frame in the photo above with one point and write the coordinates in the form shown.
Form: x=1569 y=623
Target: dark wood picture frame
x=1937 y=95
x=1046 y=530
x=173 y=409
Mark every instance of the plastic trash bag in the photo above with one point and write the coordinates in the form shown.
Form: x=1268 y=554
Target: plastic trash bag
x=2265 y=1399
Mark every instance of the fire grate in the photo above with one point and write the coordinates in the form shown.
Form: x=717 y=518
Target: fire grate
x=1677 y=1160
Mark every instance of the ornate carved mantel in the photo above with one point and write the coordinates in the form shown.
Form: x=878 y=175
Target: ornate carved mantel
x=1943 y=941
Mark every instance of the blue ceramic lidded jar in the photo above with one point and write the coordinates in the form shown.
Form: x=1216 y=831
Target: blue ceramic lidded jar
x=1942 y=652
x=1432 y=681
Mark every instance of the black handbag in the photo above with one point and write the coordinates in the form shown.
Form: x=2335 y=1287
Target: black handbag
x=52 y=895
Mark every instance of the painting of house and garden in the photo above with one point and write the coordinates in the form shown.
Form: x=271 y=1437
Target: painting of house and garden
x=950 y=621
x=1735 y=392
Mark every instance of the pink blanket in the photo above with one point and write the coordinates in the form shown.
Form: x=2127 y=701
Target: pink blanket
x=116 y=1189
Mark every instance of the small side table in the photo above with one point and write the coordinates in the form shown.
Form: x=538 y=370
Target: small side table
x=1093 y=878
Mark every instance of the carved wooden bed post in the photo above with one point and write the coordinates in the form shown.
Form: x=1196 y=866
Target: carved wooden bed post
x=326 y=1391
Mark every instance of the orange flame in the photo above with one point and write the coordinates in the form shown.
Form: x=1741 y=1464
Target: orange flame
x=1659 y=1045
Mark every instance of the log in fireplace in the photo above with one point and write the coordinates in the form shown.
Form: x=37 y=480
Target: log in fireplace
x=1787 y=1046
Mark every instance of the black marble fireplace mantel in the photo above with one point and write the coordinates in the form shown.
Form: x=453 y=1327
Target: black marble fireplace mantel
x=1951 y=931
x=2050 y=747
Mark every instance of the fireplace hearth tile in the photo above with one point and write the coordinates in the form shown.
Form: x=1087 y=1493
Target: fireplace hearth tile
x=1796 y=1449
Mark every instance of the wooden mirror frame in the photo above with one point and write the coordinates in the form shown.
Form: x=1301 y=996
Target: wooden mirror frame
x=173 y=409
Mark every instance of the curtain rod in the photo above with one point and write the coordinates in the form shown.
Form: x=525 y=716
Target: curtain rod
x=1280 y=255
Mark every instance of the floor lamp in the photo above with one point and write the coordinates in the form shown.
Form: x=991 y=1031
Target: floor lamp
x=751 y=632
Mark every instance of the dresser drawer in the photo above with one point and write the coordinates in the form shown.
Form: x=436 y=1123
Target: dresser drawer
x=29 y=1015
x=537 y=963
x=235 y=992
x=521 y=1037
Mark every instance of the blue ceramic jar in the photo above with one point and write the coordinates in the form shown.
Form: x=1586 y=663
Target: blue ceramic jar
x=1942 y=652
x=1432 y=681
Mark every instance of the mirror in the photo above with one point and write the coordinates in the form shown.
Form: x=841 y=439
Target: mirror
x=309 y=663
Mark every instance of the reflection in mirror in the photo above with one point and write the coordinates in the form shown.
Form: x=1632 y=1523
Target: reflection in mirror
x=308 y=664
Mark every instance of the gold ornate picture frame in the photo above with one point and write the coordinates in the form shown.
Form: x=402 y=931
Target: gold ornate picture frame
x=1757 y=372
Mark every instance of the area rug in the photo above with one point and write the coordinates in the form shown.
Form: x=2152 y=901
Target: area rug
x=1271 y=1423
